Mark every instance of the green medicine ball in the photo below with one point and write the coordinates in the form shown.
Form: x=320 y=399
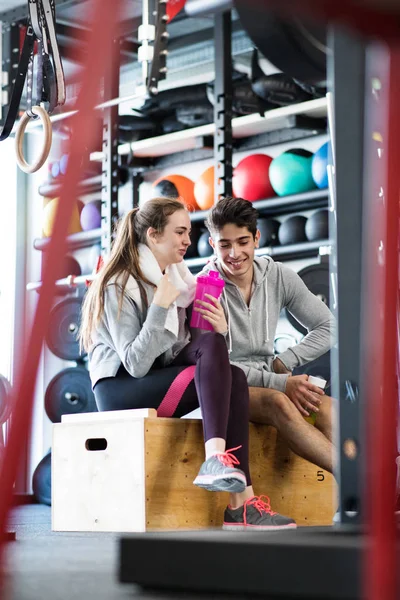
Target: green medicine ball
x=291 y=172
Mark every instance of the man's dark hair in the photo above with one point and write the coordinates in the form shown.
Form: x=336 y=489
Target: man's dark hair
x=238 y=211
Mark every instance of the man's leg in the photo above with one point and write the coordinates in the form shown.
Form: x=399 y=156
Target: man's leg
x=325 y=417
x=271 y=407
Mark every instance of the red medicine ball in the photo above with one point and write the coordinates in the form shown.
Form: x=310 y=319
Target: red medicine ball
x=251 y=179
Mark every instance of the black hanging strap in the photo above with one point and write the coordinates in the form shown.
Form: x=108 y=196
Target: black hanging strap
x=12 y=113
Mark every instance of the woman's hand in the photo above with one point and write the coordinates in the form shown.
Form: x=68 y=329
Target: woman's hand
x=166 y=293
x=305 y=396
x=212 y=312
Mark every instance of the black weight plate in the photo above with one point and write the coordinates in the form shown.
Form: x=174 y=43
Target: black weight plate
x=316 y=278
x=41 y=481
x=69 y=392
x=62 y=333
x=296 y=47
x=5 y=399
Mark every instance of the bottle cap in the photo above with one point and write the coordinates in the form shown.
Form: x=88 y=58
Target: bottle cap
x=213 y=278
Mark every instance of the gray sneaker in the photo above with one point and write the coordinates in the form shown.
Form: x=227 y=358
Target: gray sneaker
x=218 y=474
x=256 y=514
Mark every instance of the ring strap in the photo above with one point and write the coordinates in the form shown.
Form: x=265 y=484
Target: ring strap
x=27 y=51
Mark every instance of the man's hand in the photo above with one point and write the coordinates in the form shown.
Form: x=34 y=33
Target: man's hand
x=213 y=313
x=280 y=368
x=305 y=396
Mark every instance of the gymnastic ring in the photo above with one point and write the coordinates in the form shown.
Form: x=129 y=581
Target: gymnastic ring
x=19 y=139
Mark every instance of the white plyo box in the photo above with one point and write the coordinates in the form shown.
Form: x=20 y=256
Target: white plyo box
x=99 y=490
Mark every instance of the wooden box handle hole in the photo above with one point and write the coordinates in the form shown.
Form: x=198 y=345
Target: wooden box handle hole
x=96 y=444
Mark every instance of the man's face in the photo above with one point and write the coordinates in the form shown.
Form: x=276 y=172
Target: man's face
x=235 y=247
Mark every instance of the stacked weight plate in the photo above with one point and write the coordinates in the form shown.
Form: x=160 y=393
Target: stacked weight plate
x=69 y=391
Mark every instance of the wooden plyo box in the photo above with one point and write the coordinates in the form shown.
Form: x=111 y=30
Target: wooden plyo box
x=128 y=471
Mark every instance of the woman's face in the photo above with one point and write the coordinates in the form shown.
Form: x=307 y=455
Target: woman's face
x=170 y=246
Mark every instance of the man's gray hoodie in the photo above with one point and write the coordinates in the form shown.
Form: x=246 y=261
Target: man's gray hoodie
x=251 y=329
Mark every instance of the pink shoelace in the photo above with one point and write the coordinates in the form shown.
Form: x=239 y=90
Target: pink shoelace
x=260 y=504
x=227 y=458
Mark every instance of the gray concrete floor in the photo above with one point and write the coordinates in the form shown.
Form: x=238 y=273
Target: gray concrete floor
x=46 y=565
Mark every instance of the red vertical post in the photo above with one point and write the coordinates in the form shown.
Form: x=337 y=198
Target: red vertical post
x=382 y=196
x=99 y=53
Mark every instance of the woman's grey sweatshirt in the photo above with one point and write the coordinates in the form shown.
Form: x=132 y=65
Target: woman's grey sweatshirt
x=132 y=340
x=251 y=329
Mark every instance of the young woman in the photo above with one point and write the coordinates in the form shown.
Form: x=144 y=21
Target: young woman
x=135 y=331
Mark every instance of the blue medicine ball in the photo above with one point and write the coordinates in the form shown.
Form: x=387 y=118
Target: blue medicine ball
x=290 y=172
x=319 y=165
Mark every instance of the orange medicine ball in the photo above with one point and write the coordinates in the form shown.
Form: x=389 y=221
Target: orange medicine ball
x=176 y=186
x=204 y=189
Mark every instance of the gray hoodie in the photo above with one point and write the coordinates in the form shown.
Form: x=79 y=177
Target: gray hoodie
x=133 y=339
x=251 y=329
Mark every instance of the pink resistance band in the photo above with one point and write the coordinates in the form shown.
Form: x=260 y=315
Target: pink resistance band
x=175 y=392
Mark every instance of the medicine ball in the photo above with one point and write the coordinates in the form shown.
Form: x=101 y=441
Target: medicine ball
x=68 y=266
x=290 y=173
x=251 y=178
x=41 y=481
x=204 y=189
x=195 y=234
x=91 y=215
x=49 y=214
x=80 y=205
x=293 y=230
x=203 y=246
x=176 y=186
x=317 y=226
x=63 y=164
x=319 y=166
x=269 y=229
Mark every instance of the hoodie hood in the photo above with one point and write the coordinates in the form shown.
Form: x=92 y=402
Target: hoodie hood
x=262 y=265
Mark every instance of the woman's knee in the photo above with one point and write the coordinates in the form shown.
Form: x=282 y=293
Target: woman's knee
x=239 y=379
x=213 y=342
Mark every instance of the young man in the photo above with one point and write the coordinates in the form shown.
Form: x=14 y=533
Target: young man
x=256 y=290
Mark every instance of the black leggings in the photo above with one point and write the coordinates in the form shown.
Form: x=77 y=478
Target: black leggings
x=220 y=388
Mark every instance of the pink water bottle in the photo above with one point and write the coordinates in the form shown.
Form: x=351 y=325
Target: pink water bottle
x=211 y=284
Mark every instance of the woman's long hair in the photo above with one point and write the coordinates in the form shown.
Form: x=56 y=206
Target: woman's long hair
x=124 y=260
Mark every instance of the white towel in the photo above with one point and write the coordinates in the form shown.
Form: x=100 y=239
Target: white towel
x=178 y=274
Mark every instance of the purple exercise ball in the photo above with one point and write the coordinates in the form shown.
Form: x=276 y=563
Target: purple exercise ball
x=91 y=215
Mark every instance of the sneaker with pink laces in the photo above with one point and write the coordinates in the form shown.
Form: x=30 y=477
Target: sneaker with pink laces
x=256 y=514
x=219 y=474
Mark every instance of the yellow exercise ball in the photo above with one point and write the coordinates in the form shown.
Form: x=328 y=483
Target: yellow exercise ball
x=49 y=213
